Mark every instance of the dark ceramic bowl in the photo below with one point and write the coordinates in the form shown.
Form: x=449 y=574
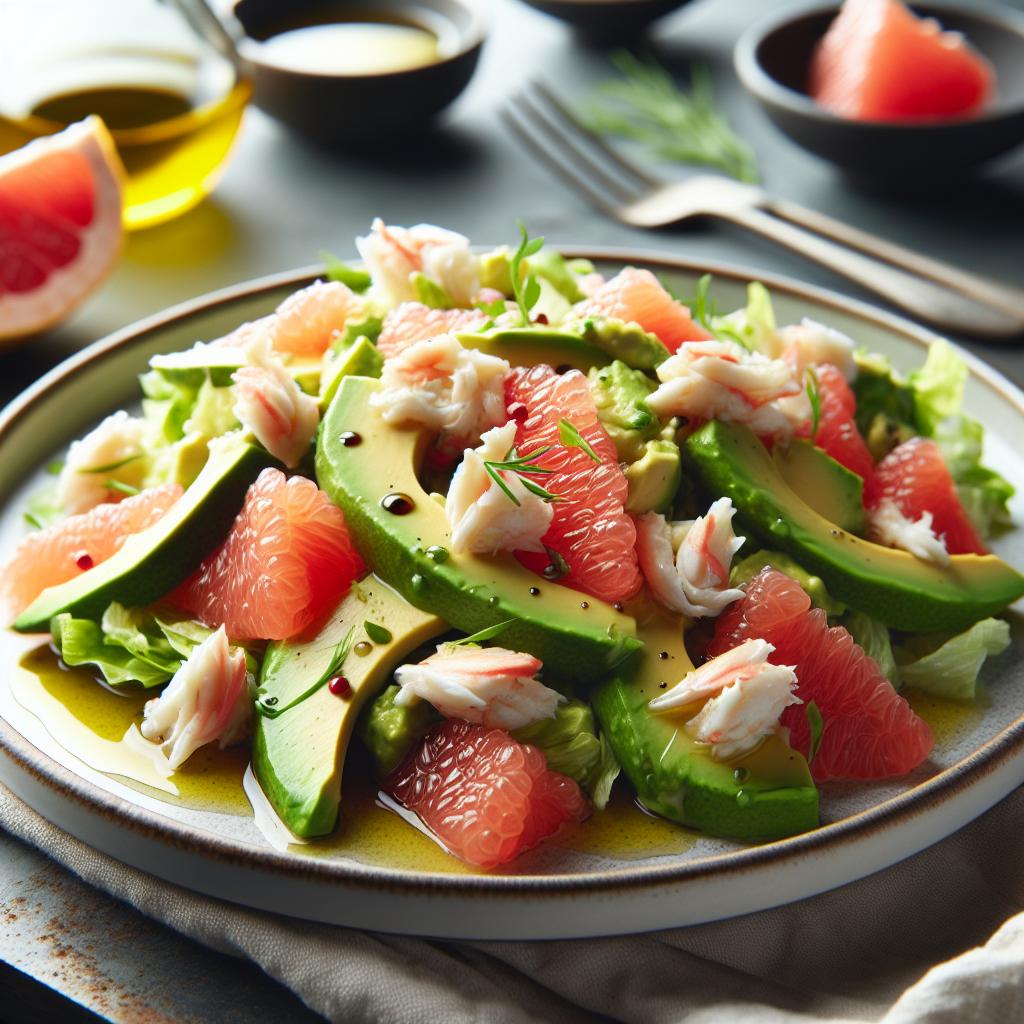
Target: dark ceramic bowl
x=772 y=60
x=339 y=109
x=607 y=18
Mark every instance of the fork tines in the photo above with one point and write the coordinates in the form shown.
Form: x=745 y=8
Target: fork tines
x=576 y=155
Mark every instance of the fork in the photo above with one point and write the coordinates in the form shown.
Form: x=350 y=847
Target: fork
x=932 y=291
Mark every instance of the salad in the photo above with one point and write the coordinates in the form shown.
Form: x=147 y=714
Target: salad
x=515 y=529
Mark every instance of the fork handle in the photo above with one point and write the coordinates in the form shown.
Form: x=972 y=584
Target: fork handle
x=989 y=292
x=926 y=300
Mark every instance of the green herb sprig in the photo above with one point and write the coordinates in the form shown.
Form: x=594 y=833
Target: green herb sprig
x=570 y=436
x=646 y=106
x=267 y=706
x=526 y=289
x=110 y=467
x=816 y=724
x=814 y=396
x=519 y=467
x=476 y=639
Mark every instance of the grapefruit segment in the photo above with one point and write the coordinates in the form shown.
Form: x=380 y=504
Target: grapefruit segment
x=870 y=731
x=412 y=321
x=286 y=563
x=837 y=434
x=487 y=797
x=637 y=296
x=878 y=62
x=61 y=552
x=915 y=477
x=60 y=225
x=590 y=529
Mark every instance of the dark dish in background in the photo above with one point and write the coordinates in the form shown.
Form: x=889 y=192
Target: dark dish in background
x=607 y=19
x=773 y=58
x=349 y=103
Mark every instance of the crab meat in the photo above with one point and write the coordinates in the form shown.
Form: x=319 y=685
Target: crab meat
x=687 y=564
x=206 y=700
x=393 y=255
x=745 y=695
x=442 y=385
x=481 y=516
x=722 y=380
x=891 y=527
x=809 y=343
x=271 y=405
x=490 y=686
x=115 y=450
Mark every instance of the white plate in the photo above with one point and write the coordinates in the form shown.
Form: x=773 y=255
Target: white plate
x=554 y=892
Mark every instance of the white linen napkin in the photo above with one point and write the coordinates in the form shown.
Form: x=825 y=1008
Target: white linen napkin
x=910 y=945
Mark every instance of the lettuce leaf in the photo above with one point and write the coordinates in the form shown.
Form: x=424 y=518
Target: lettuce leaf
x=938 y=387
x=876 y=641
x=948 y=666
x=572 y=746
x=753 y=326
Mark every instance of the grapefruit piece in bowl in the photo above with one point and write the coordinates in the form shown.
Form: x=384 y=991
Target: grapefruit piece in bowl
x=60 y=225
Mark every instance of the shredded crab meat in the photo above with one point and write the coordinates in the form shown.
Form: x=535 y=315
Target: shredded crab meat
x=113 y=450
x=438 y=383
x=722 y=380
x=394 y=254
x=271 y=404
x=809 y=343
x=207 y=700
x=481 y=516
x=889 y=526
x=744 y=698
x=489 y=686
x=686 y=564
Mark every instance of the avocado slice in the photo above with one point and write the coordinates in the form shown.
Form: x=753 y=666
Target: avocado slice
x=389 y=730
x=576 y=636
x=832 y=490
x=654 y=478
x=217 y=363
x=361 y=358
x=902 y=591
x=621 y=339
x=763 y=795
x=620 y=394
x=298 y=757
x=155 y=561
x=530 y=346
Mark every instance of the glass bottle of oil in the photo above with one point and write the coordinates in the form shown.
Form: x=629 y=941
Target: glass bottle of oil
x=173 y=105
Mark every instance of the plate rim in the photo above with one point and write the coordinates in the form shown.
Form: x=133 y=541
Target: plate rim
x=633 y=875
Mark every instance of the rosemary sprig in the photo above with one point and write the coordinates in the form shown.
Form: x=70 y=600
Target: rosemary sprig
x=816 y=724
x=267 y=706
x=647 y=106
x=519 y=467
x=117 y=485
x=526 y=290
x=109 y=467
x=475 y=639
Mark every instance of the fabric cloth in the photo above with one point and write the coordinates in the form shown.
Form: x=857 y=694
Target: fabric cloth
x=937 y=939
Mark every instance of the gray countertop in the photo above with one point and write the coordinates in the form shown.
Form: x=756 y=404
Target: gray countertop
x=281 y=202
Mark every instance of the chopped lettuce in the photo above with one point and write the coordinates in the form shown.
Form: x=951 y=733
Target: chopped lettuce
x=131 y=645
x=212 y=412
x=874 y=637
x=938 y=387
x=572 y=746
x=430 y=293
x=389 y=730
x=948 y=666
x=42 y=509
x=753 y=327
x=357 y=280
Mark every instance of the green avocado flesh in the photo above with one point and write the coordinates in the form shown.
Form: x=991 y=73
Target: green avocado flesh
x=576 y=637
x=530 y=346
x=763 y=795
x=894 y=586
x=833 y=491
x=298 y=756
x=152 y=563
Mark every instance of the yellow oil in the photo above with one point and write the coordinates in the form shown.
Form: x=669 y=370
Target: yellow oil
x=173 y=148
x=947 y=718
x=100 y=727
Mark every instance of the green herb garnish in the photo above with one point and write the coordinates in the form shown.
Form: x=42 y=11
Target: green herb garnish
x=357 y=280
x=32 y=521
x=377 y=633
x=814 y=395
x=519 y=467
x=117 y=485
x=817 y=726
x=569 y=435
x=475 y=639
x=526 y=290
x=54 y=468
x=267 y=706
x=109 y=467
x=647 y=106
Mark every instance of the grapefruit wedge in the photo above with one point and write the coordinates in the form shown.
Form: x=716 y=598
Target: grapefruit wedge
x=60 y=225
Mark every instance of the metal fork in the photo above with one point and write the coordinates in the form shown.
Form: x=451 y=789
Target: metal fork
x=929 y=289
